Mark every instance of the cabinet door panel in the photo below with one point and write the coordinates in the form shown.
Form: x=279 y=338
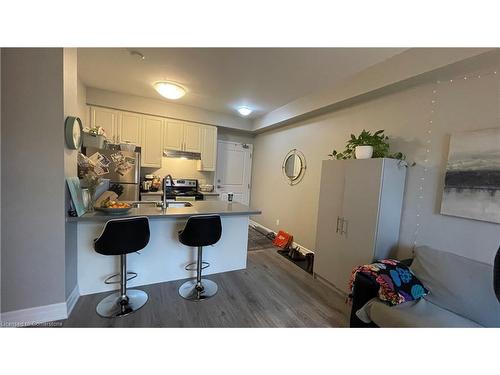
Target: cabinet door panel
x=328 y=241
x=151 y=142
x=174 y=136
x=107 y=119
x=130 y=127
x=192 y=137
x=208 y=149
x=361 y=210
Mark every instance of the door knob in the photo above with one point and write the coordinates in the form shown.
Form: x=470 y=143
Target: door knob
x=218 y=186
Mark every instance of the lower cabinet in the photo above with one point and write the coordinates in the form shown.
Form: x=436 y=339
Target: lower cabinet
x=152 y=145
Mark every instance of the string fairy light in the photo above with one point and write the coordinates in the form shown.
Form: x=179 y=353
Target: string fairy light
x=434 y=100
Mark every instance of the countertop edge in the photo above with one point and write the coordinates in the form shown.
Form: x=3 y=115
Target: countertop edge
x=155 y=217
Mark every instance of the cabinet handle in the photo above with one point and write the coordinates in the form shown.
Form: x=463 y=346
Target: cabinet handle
x=344 y=231
x=338 y=220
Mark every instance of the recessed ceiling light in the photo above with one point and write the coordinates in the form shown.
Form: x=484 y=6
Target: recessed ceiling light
x=244 y=111
x=170 y=90
x=137 y=54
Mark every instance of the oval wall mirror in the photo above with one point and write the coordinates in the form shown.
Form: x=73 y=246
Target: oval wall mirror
x=294 y=166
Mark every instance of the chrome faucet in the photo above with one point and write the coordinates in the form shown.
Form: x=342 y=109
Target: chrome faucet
x=169 y=176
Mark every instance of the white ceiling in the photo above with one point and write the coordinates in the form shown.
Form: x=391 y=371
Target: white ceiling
x=220 y=79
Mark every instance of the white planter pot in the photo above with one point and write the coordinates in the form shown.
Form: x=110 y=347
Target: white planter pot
x=363 y=152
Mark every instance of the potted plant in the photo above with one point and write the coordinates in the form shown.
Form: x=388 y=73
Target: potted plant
x=367 y=145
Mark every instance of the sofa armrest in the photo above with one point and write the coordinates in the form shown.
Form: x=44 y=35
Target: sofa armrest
x=363 y=290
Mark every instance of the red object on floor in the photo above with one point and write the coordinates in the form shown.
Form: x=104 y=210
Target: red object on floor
x=283 y=239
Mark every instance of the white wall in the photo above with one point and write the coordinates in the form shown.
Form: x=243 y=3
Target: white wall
x=33 y=188
x=462 y=105
x=73 y=101
x=163 y=108
x=225 y=134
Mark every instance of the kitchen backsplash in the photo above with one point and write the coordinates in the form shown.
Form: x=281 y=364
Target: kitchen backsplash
x=180 y=168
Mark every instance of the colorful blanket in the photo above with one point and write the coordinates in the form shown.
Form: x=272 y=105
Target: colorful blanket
x=397 y=284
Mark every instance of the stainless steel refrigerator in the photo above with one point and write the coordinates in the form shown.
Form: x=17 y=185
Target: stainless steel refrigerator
x=122 y=168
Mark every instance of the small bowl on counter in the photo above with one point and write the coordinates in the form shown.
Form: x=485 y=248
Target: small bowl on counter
x=206 y=188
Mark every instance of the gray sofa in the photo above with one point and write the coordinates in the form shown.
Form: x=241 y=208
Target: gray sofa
x=461 y=295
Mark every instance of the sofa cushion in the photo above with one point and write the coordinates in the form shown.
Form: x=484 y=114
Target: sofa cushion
x=458 y=284
x=397 y=284
x=421 y=313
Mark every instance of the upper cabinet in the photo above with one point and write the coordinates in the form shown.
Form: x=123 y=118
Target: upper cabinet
x=152 y=150
x=130 y=127
x=173 y=135
x=154 y=134
x=106 y=119
x=182 y=136
x=208 y=148
x=192 y=137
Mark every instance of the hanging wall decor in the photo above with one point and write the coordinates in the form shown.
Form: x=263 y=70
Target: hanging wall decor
x=472 y=181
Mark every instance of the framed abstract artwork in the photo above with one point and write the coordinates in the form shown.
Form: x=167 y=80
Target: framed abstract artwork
x=472 y=181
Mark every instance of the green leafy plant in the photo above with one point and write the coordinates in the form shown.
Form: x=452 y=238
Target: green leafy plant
x=377 y=140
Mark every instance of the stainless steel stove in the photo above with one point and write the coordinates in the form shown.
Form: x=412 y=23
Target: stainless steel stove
x=176 y=189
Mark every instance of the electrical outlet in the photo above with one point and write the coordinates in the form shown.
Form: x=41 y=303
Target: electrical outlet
x=277 y=222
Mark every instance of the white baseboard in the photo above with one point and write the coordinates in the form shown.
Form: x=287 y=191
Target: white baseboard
x=41 y=314
x=302 y=249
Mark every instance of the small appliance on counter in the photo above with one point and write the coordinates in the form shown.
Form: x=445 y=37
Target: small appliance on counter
x=151 y=183
x=181 y=189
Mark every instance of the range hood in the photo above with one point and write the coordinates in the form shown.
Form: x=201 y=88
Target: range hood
x=181 y=154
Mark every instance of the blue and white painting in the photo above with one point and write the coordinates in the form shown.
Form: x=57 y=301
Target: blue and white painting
x=472 y=182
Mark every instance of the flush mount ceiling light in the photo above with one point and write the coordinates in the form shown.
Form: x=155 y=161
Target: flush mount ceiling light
x=169 y=90
x=244 y=111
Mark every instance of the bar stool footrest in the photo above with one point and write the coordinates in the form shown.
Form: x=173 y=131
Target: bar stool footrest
x=192 y=266
x=108 y=279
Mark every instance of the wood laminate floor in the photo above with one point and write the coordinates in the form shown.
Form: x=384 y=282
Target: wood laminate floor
x=270 y=292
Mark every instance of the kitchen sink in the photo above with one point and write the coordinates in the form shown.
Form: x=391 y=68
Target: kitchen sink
x=178 y=204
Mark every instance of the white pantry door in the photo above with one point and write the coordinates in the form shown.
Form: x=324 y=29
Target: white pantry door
x=234 y=170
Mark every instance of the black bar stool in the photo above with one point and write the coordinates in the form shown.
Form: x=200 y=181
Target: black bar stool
x=203 y=230
x=121 y=237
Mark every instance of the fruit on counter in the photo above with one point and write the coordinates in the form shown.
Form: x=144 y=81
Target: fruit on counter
x=108 y=203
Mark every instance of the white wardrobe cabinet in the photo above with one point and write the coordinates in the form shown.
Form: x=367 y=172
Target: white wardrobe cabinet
x=359 y=215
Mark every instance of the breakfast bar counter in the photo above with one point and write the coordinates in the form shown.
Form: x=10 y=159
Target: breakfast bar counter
x=221 y=208
x=164 y=258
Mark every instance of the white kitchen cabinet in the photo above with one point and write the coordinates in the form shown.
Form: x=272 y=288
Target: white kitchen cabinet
x=359 y=215
x=208 y=148
x=182 y=136
x=152 y=147
x=192 y=137
x=129 y=127
x=107 y=119
x=173 y=135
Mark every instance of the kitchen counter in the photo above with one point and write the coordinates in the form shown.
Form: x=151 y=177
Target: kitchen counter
x=198 y=208
x=164 y=258
x=209 y=194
